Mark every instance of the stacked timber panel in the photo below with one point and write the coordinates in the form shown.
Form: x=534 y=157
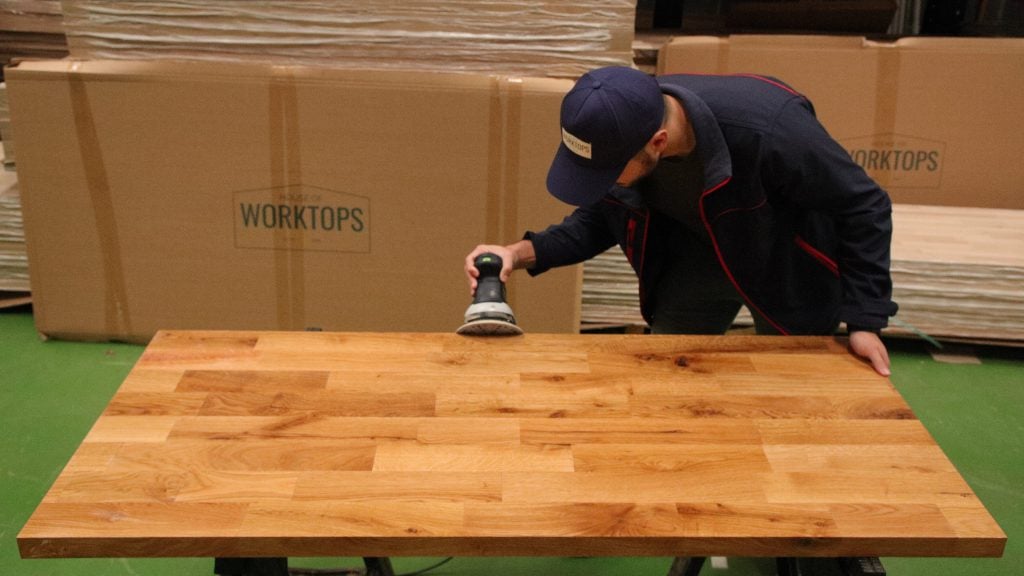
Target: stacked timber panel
x=958 y=273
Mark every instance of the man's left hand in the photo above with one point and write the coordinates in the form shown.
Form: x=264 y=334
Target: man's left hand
x=869 y=346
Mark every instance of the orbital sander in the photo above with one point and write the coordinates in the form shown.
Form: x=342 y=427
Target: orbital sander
x=489 y=314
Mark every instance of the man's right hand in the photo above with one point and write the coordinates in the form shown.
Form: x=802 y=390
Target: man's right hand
x=507 y=263
x=513 y=256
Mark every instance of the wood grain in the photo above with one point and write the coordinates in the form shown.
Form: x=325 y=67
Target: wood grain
x=304 y=444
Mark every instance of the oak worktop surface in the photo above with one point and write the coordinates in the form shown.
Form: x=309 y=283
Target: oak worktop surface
x=224 y=443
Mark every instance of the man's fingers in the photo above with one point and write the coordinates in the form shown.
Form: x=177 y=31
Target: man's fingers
x=880 y=362
x=883 y=365
x=879 y=358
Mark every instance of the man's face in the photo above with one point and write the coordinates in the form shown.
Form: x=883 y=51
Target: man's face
x=639 y=166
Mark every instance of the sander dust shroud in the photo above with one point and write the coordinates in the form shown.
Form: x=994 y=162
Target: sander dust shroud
x=489 y=314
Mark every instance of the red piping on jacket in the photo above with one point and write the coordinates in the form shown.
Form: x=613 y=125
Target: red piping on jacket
x=643 y=255
x=721 y=260
x=772 y=82
x=630 y=234
x=643 y=243
x=818 y=255
x=630 y=253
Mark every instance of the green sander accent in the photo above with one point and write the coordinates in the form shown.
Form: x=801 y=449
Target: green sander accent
x=489 y=314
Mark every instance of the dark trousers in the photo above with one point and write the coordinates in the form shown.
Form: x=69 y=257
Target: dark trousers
x=694 y=296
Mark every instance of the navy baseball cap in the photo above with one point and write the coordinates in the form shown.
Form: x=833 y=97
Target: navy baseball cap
x=607 y=117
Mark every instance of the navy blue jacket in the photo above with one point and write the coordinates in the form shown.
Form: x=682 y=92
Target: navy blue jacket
x=798 y=227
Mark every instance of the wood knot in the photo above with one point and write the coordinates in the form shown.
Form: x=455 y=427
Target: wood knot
x=706 y=411
x=457 y=360
x=682 y=362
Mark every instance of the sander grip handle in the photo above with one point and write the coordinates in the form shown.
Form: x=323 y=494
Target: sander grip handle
x=489 y=287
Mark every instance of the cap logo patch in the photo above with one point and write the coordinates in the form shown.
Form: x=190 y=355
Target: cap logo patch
x=577 y=146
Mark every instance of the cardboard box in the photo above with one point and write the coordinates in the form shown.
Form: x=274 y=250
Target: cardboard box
x=934 y=120
x=230 y=196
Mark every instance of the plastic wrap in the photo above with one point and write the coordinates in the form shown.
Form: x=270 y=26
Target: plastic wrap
x=539 y=38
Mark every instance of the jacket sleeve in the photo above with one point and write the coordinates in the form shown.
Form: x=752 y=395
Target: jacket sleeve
x=808 y=167
x=580 y=236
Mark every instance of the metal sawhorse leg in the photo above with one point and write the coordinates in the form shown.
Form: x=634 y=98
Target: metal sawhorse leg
x=686 y=566
x=861 y=566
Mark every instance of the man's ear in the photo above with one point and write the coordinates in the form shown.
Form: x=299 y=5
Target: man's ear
x=659 y=141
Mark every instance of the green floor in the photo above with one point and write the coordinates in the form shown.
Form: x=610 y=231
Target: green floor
x=51 y=392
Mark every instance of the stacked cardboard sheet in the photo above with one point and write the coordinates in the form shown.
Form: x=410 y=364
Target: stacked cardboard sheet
x=539 y=38
x=958 y=273
x=30 y=29
x=13 y=258
x=6 y=134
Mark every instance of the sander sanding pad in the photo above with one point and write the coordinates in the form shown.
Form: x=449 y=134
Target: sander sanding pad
x=488 y=327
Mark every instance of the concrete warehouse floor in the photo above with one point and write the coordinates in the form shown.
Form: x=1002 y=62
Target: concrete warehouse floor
x=51 y=392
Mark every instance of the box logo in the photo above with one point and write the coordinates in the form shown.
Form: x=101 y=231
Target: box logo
x=301 y=217
x=897 y=160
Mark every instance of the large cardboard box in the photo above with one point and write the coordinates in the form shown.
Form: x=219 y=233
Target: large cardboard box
x=177 y=195
x=934 y=120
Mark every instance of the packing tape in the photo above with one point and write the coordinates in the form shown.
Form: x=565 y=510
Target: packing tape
x=887 y=88
x=722 y=58
x=117 y=311
x=285 y=163
x=495 y=154
x=503 y=167
x=513 y=145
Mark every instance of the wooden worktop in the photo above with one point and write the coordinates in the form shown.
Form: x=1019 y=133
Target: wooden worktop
x=364 y=444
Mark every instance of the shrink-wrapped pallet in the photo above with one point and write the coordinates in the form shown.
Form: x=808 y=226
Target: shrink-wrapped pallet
x=538 y=38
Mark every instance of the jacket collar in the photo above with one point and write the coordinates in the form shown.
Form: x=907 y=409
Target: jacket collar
x=711 y=147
